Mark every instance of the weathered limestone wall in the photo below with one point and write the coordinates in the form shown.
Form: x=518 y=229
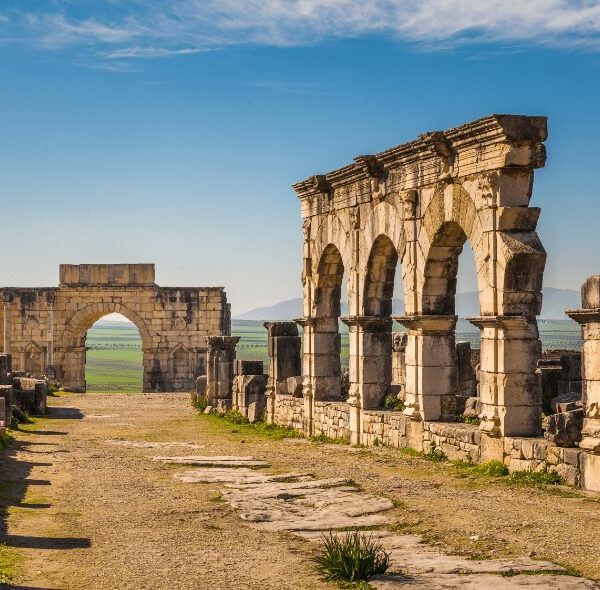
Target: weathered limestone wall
x=415 y=206
x=45 y=328
x=332 y=419
x=288 y=411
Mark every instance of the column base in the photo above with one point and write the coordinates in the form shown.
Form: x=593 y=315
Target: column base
x=590 y=435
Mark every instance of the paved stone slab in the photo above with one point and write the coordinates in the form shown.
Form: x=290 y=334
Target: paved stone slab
x=216 y=461
x=153 y=445
x=482 y=582
x=235 y=476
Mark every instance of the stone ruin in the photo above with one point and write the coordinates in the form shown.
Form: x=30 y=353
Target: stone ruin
x=415 y=206
x=44 y=329
x=20 y=393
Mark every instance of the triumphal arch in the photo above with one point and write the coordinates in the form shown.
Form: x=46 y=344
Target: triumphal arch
x=416 y=205
x=44 y=329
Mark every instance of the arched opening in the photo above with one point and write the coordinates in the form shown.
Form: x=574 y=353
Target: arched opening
x=450 y=345
x=329 y=383
x=113 y=355
x=383 y=349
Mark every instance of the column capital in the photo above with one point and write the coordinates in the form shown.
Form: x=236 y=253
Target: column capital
x=584 y=316
x=428 y=323
x=222 y=342
x=369 y=323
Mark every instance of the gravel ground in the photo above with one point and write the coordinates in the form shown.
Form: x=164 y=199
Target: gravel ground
x=90 y=514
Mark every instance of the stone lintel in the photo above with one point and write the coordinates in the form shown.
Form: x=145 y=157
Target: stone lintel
x=369 y=323
x=428 y=323
x=428 y=148
x=584 y=316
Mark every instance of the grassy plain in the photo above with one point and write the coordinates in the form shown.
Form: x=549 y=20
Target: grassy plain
x=114 y=358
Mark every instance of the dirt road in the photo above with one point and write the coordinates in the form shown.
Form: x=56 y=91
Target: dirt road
x=86 y=513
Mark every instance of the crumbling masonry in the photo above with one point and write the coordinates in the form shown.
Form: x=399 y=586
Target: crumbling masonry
x=44 y=329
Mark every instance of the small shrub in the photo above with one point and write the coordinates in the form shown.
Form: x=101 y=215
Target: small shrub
x=488 y=469
x=411 y=452
x=200 y=403
x=5 y=439
x=435 y=454
x=535 y=479
x=352 y=558
x=323 y=439
x=468 y=419
x=234 y=417
x=391 y=402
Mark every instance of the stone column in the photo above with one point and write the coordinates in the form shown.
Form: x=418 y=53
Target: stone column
x=7 y=327
x=431 y=379
x=284 y=359
x=509 y=387
x=589 y=319
x=50 y=337
x=370 y=366
x=220 y=356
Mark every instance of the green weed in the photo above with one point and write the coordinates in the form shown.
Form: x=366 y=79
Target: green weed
x=435 y=454
x=488 y=469
x=352 y=558
x=391 y=402
x=535 y=479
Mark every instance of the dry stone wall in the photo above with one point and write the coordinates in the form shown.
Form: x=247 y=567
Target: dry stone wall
x=45 y=328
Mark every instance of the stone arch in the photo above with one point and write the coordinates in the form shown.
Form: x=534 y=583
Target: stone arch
x=328 y=283
x=379 y=279
x=73 y=340
x=383 y=221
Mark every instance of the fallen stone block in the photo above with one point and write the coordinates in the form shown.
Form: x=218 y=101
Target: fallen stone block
x=294 y=386
x=564 y=430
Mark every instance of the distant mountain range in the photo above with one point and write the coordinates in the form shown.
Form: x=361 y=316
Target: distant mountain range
x=467 y=304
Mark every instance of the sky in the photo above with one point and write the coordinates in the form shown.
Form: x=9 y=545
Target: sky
x=171 y=131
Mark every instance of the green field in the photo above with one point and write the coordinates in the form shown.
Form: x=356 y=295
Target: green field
x=114 y=358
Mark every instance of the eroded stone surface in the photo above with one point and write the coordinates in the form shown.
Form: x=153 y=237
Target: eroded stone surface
x=216 y=461
x=153 y=445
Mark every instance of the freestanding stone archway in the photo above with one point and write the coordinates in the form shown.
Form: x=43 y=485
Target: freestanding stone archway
x=416 y=205
x=45 y=328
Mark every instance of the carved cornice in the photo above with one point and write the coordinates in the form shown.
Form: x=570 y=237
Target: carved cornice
x=428 y=323
x=369 y=323
x=584 y=316
x=221 y=342
x=429 y=148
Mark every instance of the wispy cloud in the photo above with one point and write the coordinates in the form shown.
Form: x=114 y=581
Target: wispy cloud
x=122 y=31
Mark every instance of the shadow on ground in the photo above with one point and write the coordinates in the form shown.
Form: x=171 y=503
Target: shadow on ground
x=15 y=483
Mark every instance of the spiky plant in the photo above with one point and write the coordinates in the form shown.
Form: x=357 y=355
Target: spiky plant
x=352 y=558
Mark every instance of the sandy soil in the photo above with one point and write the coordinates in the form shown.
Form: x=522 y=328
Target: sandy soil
x=88 y=514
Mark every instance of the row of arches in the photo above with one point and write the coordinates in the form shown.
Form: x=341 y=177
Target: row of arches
x=424 y=249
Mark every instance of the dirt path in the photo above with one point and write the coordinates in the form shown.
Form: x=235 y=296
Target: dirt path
x=89 y=514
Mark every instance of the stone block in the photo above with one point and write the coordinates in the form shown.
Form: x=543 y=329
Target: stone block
x=201 y=385
x=472 y=407
x=294 y=386
x=245 y=367
x=256 y=411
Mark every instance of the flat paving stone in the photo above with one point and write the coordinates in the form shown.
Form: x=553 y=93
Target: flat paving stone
x=235 y=476
x=153 y=445
x=216 y=461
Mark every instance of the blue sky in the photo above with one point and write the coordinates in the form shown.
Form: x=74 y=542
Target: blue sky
x=170 y=132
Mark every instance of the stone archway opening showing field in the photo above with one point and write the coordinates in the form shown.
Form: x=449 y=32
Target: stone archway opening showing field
x=114 y=356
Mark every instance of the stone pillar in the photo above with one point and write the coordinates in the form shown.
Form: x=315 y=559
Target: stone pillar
x=399 y=341
x=50 y=338
x=5 y=368
x=370 y=366
x=589 y=319
x=509 y=387
x=7 y=327
x=284 y=359
x=431 y=378
x=220 y=356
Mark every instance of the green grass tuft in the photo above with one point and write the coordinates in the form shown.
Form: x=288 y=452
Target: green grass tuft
x=488 y=469
x=262 y=429
x=351 y=558
x=391 y=402
x=535 y=479
x=320 y=439
x=435 y=454
x=468 y=419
